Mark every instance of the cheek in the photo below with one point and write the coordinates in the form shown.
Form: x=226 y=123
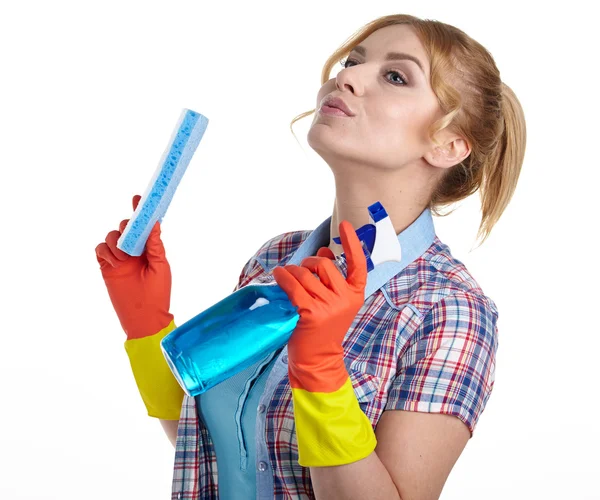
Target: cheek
x=391 y=131
x=389 y=121
x=399 y=113
x=402 y=122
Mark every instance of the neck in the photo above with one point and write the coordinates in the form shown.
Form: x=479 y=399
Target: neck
x=403 y=205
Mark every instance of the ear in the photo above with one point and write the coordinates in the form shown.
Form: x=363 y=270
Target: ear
x=449 y=154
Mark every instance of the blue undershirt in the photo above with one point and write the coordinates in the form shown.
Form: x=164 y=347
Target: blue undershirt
x=231 y=423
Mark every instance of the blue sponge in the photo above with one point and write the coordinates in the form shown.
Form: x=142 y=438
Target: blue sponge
x=159 y=193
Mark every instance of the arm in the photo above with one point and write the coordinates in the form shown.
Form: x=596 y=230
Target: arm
x=170 y=428
x=140 y=291
x=414 y=455
x=450 y=360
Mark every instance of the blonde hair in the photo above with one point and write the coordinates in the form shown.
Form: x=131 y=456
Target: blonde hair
x=476 y=104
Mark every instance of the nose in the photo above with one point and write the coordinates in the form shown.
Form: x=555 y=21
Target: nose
x=348 y=80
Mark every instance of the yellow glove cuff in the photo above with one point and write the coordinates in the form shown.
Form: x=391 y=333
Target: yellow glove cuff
x=158 y=387
x=331 y=428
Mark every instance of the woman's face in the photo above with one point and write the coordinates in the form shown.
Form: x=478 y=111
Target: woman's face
x=392 y=102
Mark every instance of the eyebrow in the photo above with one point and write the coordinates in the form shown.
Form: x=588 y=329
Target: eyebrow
x=391 y=56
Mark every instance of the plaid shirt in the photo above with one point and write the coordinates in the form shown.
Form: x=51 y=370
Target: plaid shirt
x=425 y=340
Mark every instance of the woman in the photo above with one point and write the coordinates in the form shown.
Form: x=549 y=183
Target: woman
x=386 y=375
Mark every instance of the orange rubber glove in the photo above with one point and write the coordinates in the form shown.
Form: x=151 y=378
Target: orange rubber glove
x=331 y=428
x=140 y=291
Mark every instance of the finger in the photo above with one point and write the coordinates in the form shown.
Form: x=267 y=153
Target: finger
x=104 y=256
x=123 y=225
x=298 y=296
x=111 y=241
x=312 y=284
x=355 y=257
x=136 y=200
x=329 y=275
x=326 y=252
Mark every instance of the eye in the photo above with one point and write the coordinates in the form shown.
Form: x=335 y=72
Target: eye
x=403 y=79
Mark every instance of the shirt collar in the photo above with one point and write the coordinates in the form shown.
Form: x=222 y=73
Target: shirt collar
x=414 y=241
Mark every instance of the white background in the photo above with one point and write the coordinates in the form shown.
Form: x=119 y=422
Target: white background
x=90 y=95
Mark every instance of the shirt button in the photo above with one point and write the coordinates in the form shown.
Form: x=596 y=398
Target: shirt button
x=261 y=408
x=262 y=466
x=284 y=359
x=179 y=496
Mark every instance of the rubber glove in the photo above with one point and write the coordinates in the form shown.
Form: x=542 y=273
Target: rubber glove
x=140 y=291
x=331 y=428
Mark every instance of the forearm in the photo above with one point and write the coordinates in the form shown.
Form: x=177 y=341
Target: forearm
x=160 y=391
x=366 y=479
x=337 y=442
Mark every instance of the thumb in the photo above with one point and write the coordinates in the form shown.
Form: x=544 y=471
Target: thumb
x=155 y=250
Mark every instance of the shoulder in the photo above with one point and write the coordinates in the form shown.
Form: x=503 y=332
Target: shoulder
x=433 y=277
x=447 y=339
x=273 y=252
x=280 y=248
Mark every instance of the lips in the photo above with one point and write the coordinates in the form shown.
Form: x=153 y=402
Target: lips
x=337 y=102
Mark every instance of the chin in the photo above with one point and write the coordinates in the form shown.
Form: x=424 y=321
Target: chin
x=322 y=138
x=324 y=148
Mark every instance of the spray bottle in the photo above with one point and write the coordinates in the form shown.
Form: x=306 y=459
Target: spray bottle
x=257 y=319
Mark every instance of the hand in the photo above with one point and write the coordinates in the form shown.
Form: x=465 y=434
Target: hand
x=139 y=287
x=327 y=307
x=331 y=428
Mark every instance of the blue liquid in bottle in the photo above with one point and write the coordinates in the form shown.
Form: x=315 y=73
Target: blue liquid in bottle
x=229 y=336
x=233 y=334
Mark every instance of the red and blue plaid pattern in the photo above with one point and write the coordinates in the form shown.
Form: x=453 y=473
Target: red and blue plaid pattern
x=425 y=341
